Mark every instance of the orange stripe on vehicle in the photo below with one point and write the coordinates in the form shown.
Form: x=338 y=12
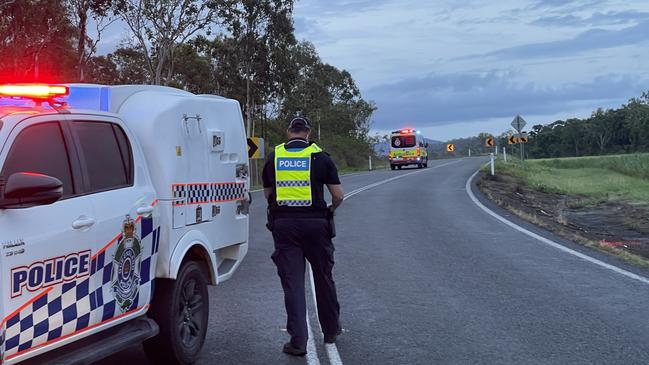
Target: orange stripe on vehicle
x=77 y=332
x=115 y=239
x=25 y=305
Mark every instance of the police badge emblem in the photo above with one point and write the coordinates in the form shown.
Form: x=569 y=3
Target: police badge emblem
x=126 y=267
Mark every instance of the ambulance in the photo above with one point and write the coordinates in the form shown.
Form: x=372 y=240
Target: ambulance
x=407 y=147
x=119 y=205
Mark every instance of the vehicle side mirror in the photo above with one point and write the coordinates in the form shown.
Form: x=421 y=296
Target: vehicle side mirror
x=24 y=189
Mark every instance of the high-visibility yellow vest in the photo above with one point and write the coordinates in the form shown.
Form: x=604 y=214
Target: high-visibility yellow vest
x=293 y=176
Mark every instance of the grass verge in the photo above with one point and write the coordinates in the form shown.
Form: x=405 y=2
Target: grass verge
x=600 y=179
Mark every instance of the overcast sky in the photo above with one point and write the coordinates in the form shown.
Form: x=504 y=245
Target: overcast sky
x=454 y=68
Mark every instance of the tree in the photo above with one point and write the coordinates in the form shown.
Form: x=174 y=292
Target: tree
x=81 y=11
x=637 y=122
x=600 y=129
x=36 y=40
x=160 y=26
x=260 y=30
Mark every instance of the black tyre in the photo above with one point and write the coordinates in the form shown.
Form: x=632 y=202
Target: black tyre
x=181 y=309
x=399 y=167
x=392 y=167
x=419 y=165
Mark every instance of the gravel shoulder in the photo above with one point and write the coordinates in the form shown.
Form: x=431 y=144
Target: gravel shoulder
x=618 y=228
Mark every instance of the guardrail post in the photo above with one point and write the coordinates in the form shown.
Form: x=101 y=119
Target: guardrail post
x=493 y=167
x=505 y=153
x=370 y=159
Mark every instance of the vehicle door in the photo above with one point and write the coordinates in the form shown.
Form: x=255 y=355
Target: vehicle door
x=123 y=202
x=46 y=249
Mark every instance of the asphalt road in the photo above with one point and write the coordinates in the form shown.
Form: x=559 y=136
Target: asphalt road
x=426 y=277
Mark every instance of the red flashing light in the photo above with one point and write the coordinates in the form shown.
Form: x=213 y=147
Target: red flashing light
x=34 y=174
x=406 y=131
x=35 y=91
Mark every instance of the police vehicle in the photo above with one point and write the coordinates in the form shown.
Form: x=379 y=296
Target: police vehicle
x=118 y=206
x=407 y=147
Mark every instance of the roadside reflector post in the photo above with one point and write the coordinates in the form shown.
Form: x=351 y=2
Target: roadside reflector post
x=505 y=154
x=493 y=167
x=370 y=159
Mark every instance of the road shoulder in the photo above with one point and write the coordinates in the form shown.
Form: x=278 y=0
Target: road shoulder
x=518 y=221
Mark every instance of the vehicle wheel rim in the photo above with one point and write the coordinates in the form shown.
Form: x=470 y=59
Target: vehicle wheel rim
x=190 y=315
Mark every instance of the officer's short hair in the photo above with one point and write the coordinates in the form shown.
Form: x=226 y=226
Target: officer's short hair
x=299 y=125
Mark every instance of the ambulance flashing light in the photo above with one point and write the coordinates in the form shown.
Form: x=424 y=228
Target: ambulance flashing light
x=407 y=131
x=34 y=91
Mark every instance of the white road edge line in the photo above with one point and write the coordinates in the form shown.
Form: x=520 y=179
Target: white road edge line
x=549 y=242
x=311 y=351
x=332 y=349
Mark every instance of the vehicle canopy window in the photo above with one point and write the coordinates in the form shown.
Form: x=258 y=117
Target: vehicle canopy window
x=41 y=148
x=107 y=154
x=404 y=141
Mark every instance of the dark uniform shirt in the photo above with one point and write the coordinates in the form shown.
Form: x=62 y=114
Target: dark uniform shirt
x=323 y=171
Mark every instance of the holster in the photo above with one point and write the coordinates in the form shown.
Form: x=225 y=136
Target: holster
x=270 y=220
x=332 y=224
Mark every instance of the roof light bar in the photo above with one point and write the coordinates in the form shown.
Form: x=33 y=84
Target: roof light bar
x=34 y=91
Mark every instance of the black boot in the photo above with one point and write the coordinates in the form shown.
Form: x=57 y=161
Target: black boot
x=292 y=350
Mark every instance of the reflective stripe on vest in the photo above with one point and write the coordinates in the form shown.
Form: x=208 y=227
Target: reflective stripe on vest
x=293 y=176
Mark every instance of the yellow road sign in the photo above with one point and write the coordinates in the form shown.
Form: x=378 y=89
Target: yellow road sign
x=489 y=142
x=523 y=139
x=512 y=139
x=255 y=148
x=450 y=147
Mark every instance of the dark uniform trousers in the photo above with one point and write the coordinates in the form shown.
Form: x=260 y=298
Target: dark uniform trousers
x=297 y=239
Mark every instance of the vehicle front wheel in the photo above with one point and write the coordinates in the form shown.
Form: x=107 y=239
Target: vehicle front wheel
x=181 y=309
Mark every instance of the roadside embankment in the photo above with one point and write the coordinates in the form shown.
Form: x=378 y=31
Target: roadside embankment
x=600 y=202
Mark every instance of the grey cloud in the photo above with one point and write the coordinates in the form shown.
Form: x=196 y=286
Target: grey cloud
x=589 y=40
x=332 y=7
x=597 y=19
x=563 y=4
x=439 y=99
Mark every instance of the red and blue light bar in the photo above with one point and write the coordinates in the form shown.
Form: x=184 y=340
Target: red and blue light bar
x=34 y=91
x=81 y=96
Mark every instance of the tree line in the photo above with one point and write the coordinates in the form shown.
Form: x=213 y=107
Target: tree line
x=240 y=49
x=610 y=131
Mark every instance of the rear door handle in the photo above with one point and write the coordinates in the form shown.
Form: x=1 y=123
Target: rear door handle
x=83 y=222
x=145 y=211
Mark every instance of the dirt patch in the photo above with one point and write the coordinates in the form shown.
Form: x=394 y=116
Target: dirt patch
x=615 y=227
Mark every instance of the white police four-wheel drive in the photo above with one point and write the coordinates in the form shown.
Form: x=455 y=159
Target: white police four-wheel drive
x=118 y=206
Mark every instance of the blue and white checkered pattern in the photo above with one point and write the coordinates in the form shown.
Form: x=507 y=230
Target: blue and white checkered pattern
x=292 y=183
x=294 y=203
x=208 y=193
x=74 y=306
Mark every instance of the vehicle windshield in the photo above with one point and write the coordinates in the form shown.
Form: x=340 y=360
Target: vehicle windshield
x=404 y=141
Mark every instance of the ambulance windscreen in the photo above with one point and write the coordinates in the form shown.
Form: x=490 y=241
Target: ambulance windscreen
x=403 y=141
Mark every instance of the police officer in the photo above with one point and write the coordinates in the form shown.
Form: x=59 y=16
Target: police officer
x=302 y=225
